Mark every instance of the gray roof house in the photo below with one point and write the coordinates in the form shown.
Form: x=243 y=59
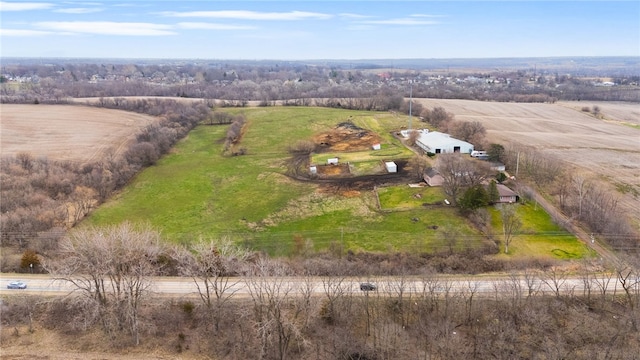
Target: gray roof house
x=437 y=143
x=507 y=195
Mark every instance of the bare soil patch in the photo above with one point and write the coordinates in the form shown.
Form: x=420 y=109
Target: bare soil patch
x=347 y=137
x=606 y=147
x=333 y=170
x=67 y=132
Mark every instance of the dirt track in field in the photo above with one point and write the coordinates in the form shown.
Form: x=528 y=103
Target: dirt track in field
x=66 y=132
x=608 y=147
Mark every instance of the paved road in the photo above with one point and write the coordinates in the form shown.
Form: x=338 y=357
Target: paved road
x=479 y=285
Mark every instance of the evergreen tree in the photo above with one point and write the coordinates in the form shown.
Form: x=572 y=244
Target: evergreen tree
x=473 y=198
x=492 y=192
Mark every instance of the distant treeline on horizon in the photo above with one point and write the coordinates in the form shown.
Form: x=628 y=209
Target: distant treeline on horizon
x=577 y=64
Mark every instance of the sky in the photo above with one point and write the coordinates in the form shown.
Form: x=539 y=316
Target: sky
x=314 y=30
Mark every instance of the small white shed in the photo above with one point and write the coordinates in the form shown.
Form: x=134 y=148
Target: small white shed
x=376 y=146
x=391 y=166
x=313 y=169
x=332 y=161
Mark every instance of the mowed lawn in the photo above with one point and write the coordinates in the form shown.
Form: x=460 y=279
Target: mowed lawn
x=538 y=236
x=195 y=192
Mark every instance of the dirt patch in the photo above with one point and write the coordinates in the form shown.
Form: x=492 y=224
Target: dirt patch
x=346 y=137
x=333 y=170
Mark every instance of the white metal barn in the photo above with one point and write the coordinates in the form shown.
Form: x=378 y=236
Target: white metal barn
x=440 y=143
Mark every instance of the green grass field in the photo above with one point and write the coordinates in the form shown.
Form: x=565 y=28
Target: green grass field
x=539 y=236
x=196 y=192
x=405 y=197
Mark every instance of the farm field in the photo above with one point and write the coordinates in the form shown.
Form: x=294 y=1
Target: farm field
x=197 y=192
x=608 y=148
x=66 y=132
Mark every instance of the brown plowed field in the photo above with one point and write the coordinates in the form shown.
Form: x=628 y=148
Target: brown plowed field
x=66 y=132
x=607 y=147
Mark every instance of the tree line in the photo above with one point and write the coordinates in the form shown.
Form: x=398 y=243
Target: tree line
x=528 y=314
x=237 y=84
x=41 y=198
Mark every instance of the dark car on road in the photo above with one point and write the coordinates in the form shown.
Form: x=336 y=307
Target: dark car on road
x=16 y=285
x=367 y=287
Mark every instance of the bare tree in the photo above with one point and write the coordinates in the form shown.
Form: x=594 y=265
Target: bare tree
x=438 y=117
x=460 y=172
x=83 y=199
x=450 y=236
x=402 y=290
x=214 y=266
x=277 y=318
x=413 y=137
x=629 y=279
x=530 y=279
x=602 y=280
x=555 y=280
x=511 y=224
x=418 y=165
x=468 y=294
x=580 y=186
x=470 y=131
x=335 y=289
x=112 y=266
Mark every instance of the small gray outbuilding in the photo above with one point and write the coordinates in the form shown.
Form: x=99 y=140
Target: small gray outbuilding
x=432 y=177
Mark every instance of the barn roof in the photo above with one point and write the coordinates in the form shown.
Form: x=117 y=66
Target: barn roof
x=438 y=140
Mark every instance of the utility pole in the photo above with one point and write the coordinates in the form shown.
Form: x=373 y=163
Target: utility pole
x=410 y=101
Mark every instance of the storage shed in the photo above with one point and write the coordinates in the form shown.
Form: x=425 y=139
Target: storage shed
x=433 y=178
x=391 y=166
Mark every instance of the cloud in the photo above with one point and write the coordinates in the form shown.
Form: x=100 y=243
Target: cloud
x=427 y=16
x=212 y=26
x=353 y=16
x=86 y=3
x=107 y=28
x=24 y=6
x=400 y=22
x=22 y=33
x=79 y=10
x=249 y=15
